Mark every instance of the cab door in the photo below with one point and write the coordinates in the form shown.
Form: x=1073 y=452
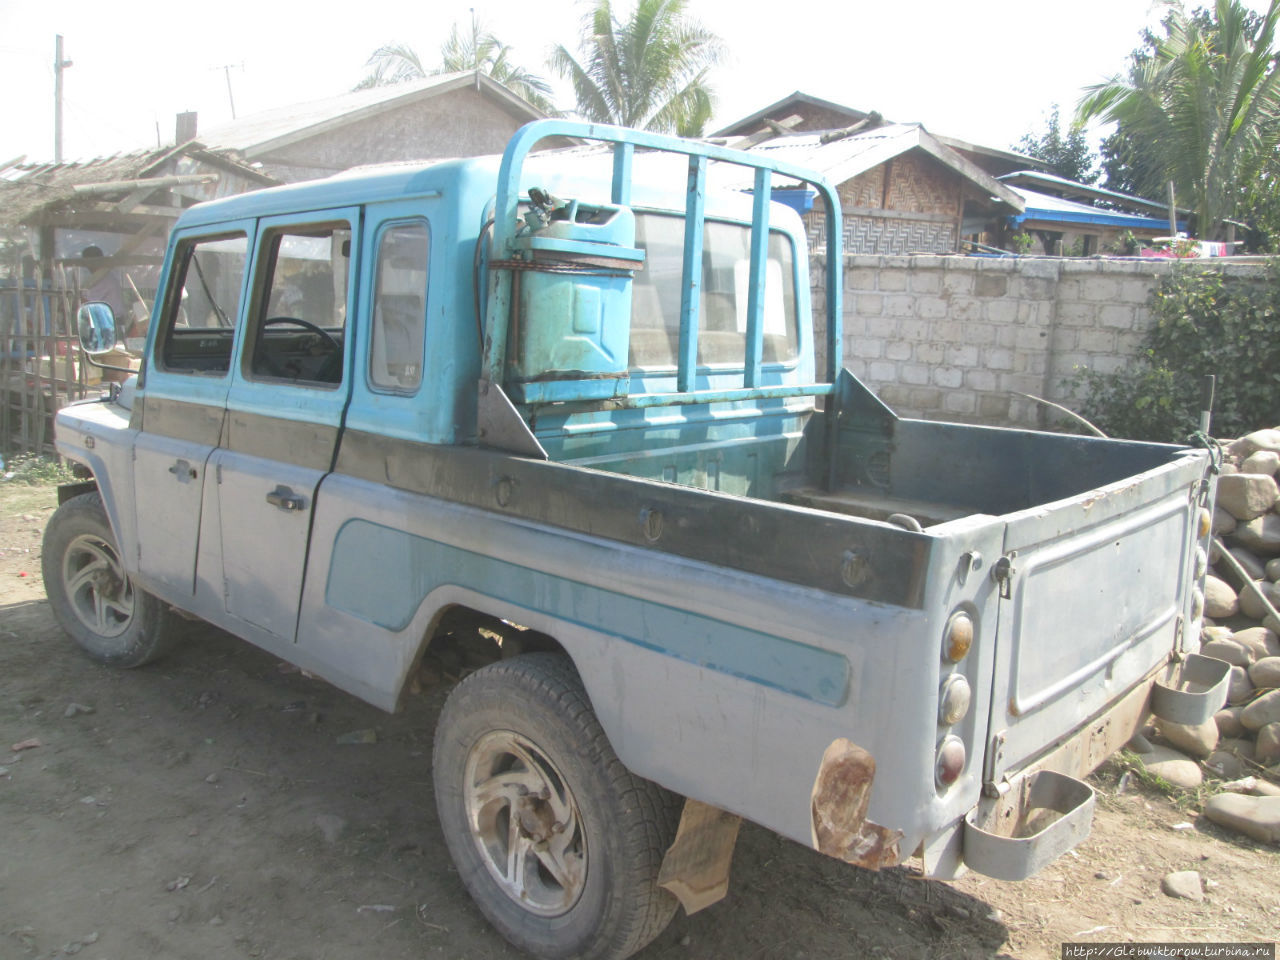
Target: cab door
x=285 y=409
x=184 y=399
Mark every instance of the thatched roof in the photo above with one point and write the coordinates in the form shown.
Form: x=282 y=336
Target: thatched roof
x=113 y=192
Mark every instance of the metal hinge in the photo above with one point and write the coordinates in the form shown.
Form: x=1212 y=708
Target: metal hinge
x=218 y=472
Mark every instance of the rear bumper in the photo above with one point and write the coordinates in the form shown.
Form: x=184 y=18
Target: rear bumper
x=1037 y=814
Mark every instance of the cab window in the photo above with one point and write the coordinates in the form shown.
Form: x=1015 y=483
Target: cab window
x=399 y=309
x=300 y=316
x=203 y=306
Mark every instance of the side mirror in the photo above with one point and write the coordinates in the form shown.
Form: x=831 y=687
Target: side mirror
x=97 y=327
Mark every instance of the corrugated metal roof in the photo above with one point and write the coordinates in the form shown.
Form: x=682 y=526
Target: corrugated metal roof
x=1042 y=206
x=843 y=159
x=254 y=134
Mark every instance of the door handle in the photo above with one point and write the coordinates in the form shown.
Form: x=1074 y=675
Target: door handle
x=286 y=499
x=183 y=471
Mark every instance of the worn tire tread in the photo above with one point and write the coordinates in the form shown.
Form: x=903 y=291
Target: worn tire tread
x=553 y=679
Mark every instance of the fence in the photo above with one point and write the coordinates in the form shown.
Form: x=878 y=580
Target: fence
x=40 y=367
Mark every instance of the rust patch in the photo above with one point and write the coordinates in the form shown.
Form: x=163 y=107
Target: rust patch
x=841 y=795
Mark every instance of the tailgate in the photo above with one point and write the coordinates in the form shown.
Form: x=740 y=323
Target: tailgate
x=1096 y=596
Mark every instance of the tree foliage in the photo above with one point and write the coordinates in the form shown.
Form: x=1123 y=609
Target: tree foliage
x=1200 y=106
x=1068 y=154
x=1202 y=323
x=475 y=49
x=649 y=71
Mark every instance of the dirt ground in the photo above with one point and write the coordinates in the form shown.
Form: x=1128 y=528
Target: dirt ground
x=204 y=808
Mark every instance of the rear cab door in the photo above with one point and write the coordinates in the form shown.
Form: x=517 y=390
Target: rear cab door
x=285 y=408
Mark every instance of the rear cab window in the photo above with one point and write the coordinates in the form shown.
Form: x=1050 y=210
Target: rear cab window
x=298 y=330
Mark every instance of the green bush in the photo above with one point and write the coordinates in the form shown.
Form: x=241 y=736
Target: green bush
x=1202 y=323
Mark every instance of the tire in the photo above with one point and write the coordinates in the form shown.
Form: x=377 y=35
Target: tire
x=589 y=836
x=92 y=597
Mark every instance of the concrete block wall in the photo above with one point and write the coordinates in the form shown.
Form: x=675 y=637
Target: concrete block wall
x=959 y=338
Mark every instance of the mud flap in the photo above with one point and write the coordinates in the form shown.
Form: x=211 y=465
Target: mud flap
x=696 y=867
x=1018 y=857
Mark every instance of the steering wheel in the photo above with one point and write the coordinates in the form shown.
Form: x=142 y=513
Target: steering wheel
x=328 y=341
x=315 y=328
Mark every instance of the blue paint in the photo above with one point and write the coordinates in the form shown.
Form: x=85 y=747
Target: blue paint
x=382 y=576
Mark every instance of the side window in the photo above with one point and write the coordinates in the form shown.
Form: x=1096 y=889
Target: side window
x=399 y=309
x=301 y=308
x=200 y=314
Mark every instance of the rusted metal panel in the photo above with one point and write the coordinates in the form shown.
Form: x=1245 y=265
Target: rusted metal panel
x=841 y=795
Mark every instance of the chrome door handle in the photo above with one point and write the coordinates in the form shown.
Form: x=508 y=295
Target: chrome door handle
x=286 y=499
x=183 y=471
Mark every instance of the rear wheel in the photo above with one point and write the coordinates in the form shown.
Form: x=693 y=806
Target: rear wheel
x=557 y=842
x=92 y=597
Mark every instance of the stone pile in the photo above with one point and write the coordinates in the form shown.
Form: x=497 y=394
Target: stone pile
x=1241 y=743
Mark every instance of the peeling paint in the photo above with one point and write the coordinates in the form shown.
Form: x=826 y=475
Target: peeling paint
x=839 y=802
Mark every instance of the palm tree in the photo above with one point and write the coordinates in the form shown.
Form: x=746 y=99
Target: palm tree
x=1204 y=106
x=479 y=49
x=649 y=72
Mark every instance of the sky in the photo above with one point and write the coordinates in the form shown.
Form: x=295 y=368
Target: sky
x=986 y=71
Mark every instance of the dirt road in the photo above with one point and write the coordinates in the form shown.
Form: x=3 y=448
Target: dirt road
x=205 y=808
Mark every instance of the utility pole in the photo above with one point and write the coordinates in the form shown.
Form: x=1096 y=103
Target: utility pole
x=59 y=64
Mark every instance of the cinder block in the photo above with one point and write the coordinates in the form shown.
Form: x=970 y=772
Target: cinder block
x=1096 y=341
x=869 y=304
x=1116 y=316
x=925 y=281
x=1100 y=289
x=981 y=380
x=980 y=334
x=868 y=348
x=1002 y=311
x=962 y=356
x=993 y=407
x=991 y=285
x=882 y=371
x=932 y=307
x=916 y=374
x=960 y=401
x=897 y=350
x=894 y=281
x=949 y=377
x=998 y=359
x=959 y=282
x=900 y=306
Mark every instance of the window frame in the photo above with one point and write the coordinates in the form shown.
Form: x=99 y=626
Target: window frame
x=183 y=248
x=375 y=276
x=265 y=262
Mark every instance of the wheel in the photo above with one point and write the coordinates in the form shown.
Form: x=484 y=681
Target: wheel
x=92 y=598
x=556 y=841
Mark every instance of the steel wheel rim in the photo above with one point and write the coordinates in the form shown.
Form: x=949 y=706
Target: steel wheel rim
x=98 y=590
x=525 y=823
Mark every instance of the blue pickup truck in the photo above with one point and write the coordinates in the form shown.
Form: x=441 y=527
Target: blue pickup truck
x=563 y=407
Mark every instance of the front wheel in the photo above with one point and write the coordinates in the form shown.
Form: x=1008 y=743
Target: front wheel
x=556 y=841
x=92 y=597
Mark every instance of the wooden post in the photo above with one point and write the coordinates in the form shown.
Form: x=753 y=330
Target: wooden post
x=6 y=348
x=37 y=381
x=1173 y=218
